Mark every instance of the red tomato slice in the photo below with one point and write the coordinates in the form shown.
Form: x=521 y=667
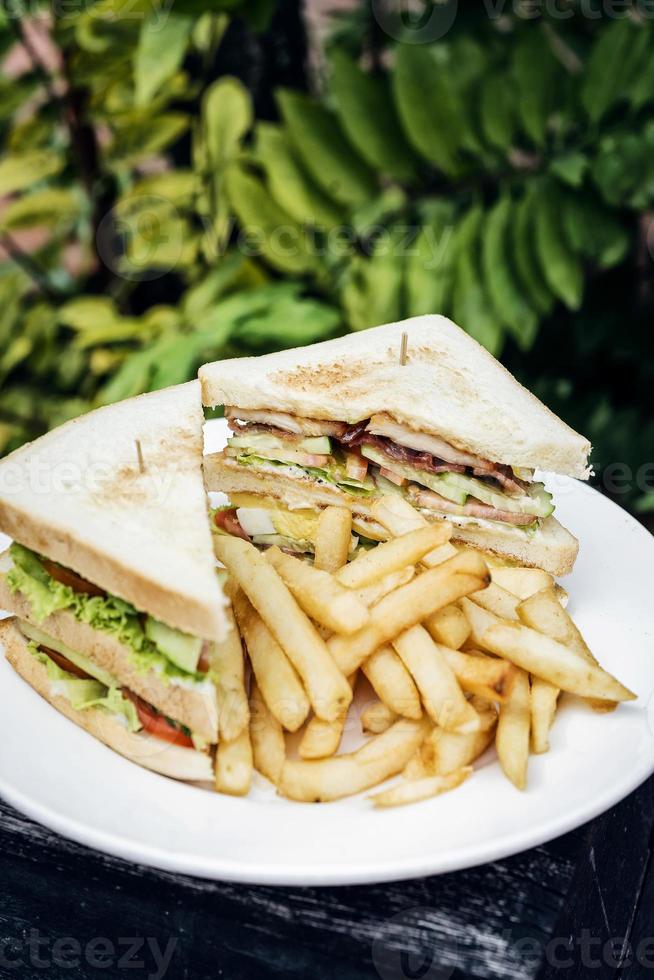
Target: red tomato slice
x=66 y=664
x=356 y=466
x=67 y=577
x=227 y=521
x=157 y=724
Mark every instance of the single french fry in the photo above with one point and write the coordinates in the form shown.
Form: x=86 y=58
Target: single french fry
x=392 y=556
x=397 y=514
x=228 y=665
x=521 y=582
x=322 y=738
x=542 y=611
x=477 y=673
x=320 y=594
x=382 y=756
x=480 y=620
x=234 y=765
x=512 y=736
x=376 y=717
x=276 y=677
x=442 y=697
x=420 y=789
x=443 y=752
x=267 y=738
x=327 y=687
x=370 y=595
x=560 y=665
x=409 y=605
x=333 y=537
x=544 y=697
x=448 y=626
x=392 y=682
x=497 y=600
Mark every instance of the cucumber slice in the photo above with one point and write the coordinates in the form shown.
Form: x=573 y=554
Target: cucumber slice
x=259 y=442
x=182 y=649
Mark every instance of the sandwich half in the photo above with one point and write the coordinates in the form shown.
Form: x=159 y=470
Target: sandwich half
x=435 y=419
x=112 y=581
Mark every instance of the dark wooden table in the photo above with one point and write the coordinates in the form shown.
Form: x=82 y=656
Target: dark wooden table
x=580 y=906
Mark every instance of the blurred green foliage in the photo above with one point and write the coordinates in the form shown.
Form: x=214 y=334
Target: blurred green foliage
x=502 y=174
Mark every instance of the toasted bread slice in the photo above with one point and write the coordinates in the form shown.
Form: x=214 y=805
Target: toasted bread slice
x=194 y=706
x=552 y=547
x=152 y=753
x=449 y=386
x=117 y=495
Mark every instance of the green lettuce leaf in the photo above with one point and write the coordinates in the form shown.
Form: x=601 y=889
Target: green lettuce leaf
x=335 y=474
x=83 y=693
x=108 y=614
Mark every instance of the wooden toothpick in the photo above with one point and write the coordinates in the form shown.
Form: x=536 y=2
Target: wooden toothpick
x=405 y=341
x=139 y=453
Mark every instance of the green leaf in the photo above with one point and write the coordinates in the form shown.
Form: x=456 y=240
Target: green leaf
x=593 y=231
x=84 y=312
x=366 y=112
x=137 y=137
x=326 y=154
x=536 y=73
x=430 y=266
x=570 y=168
x=527 y=267
x=562 y=270
x=470 y=302
x=505 y=294
x=289 y=321
x=160 y=52
x=372 y=290
x=611 y=65
x=227 y=117
x=289 y=184
x=132 y=378
x=52 y=208
x=20 y=171
x=274 y=233
x=497 y=111
x=428 y=106
x=199 y=298
x=177 y=187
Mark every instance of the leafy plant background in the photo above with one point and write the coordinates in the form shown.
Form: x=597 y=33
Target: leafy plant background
x=176 y=185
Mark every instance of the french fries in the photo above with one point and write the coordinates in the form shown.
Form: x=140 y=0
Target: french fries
x=276 y=677
x=544 y=697
x=376 y=717
x=477 y=673
x=322 y=738
x=333 y=538
x=461 y=651
x=442 y=697
x=392 y=682
x=420 y=789
x=522 y=582
x=443 y=752
x=267 y=738
x=398 y=611
x=234 y=765
x=553 y=662
x=228 y=665
x=449 y=627
x=371 y=594
x=512 y=736
x=400 y=518
x=320 y=594
x=392 y=556
x=383 y=756
x=497 y=600
x=543 y=612
x=328 y=689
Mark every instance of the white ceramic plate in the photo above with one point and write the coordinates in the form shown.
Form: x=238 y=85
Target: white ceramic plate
x=60 y=776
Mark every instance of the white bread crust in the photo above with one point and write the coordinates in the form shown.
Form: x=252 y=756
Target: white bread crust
x=78 y=496
x=152 y=753
x=450 y=386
